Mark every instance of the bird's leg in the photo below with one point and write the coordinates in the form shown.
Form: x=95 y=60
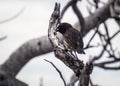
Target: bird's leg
x=76 y=54
x=73 y=54
x=70 y=51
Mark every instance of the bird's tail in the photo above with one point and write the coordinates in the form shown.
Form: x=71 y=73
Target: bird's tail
x=80 y=51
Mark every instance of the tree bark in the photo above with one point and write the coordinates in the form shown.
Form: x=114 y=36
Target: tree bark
x=99 y=16
x=42 y=45
x=23 y=54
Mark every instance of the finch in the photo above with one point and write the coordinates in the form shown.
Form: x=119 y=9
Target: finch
x=72 y=38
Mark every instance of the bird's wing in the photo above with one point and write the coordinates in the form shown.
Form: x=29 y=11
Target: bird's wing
x=80 y=43
x=71 y=38
x=74 y=38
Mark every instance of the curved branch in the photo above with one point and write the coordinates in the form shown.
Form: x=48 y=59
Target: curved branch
x=13 y=17
x=65 y=8
x=79 y=15
x=100 y=15
x=61 y=76
x=42 y=45
x=2 y=38
x=26 y=52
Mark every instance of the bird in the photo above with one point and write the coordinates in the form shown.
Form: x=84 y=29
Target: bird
x=72 y=38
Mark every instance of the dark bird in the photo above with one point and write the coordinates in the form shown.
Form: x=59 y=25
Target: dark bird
x=72 y=38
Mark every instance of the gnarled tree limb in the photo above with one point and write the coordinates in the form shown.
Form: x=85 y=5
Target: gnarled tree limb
x=42 y=45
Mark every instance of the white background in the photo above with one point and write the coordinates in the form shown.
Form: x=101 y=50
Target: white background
x=33 y=22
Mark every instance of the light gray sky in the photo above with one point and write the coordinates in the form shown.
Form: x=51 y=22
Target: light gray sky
x=33 y=22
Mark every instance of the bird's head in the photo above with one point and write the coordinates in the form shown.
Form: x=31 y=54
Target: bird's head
x=62 y=28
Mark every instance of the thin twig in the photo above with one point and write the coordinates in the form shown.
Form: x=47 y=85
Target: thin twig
x=104 y=64
x=65 y=8
x=2 y=38
x=79 y=15
x=106 y=29
x=116 y=33
x=57 y=71
x=73 y=80
x=100 y=55
x=91 y=83
x=108 y=68
x=93 y=36
x=13 y=17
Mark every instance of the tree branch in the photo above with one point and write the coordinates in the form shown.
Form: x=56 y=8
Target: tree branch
x=42 y=45
x=26 y=52
x=100 y=15
x=61 y=76
x=13 y=17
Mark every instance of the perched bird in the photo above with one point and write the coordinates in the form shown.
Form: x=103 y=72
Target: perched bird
x=72 y=38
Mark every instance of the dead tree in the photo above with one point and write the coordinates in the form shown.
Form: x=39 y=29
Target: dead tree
x=42 y=45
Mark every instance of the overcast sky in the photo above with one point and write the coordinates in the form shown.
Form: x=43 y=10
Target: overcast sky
x=33 y=22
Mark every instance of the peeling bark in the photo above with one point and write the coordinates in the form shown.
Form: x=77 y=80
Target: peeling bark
x=42 y=45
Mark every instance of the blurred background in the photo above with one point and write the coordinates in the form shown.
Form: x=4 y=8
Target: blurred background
x=32 y=23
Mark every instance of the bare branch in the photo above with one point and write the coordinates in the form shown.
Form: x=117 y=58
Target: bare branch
x=58 y=72
x=13 y=17
x=117 y=6
x=108 y=68
x=68 y=58
x=2 y=38
x=6 y=80
x=26 y=52
x=100 y=15
x=42 y=45
x=88 y=45
x=79 y=15
x=65 y=8
x=115 y=34
x=91 y=83
x=73 y=80
x=85 y=74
